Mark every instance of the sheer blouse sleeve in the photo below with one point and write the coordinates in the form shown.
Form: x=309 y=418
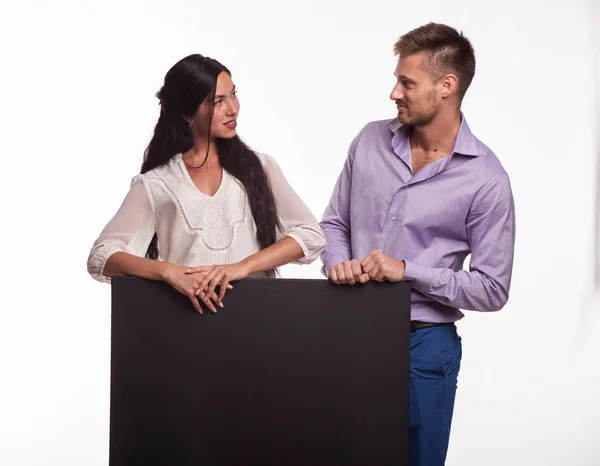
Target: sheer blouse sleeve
x=296 y=220
x=130 y=230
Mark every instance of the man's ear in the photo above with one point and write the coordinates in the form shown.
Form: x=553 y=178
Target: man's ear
x=449 y=85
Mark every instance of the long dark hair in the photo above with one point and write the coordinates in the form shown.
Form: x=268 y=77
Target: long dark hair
x=187 y=84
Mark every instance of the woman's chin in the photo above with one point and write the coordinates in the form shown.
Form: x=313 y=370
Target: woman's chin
x=229 y=134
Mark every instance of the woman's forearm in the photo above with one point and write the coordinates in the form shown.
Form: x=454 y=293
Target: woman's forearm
x=122 y=263
x=282 y=252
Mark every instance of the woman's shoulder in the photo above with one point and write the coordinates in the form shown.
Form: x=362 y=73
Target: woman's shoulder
x=268 y=162
x=160 y=173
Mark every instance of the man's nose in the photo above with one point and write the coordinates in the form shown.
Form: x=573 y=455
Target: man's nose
x=397 y=93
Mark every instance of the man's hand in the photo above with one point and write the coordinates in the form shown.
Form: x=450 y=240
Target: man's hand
x=347 y=273
x=377 y=266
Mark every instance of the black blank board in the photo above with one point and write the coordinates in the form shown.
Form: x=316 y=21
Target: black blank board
x=291 y=372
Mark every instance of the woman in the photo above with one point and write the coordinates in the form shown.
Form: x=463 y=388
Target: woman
x=212 y=209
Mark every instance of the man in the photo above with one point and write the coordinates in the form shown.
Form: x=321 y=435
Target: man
x=416 y=196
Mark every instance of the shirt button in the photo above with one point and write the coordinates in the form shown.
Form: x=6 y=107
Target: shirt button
x=393 y=219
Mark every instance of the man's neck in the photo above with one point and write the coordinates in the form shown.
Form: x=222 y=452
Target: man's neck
x=439 y=136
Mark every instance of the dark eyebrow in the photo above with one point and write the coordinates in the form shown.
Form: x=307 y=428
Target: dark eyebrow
x=220 y=96
x=405 y=78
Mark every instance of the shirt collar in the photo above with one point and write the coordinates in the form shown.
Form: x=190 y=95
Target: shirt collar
x=466 y=142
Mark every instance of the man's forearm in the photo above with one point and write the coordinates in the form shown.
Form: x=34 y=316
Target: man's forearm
x=469 y=290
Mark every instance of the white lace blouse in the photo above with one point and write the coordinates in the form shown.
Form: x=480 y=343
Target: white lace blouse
x=195 y=229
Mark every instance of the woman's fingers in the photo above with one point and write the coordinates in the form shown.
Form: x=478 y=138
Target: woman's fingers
x=209 y=304
x=195 y=303
x=224 y=286
x=214 y=283
x=202 y=269
x=206 y=280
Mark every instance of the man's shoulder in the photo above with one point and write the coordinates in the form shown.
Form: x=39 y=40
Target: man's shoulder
x=375 y=131
x=488 y=161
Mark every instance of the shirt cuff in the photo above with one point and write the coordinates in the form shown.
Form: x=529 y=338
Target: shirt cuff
x=420 y=275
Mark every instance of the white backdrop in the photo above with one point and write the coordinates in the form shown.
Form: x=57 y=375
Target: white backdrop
x=77 y=108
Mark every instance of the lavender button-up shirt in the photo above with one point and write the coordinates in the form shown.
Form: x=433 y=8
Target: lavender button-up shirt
x=458 y=205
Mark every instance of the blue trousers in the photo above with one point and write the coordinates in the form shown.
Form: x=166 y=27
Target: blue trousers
x=435 y=355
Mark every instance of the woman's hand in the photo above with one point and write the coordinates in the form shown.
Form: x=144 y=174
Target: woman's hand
x=213 y=275
x=189 y=285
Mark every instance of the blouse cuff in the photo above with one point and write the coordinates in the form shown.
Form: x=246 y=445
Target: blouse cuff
x=97 y=261
x=311 y=242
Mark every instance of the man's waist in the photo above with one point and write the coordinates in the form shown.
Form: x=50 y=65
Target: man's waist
x=416 y=325
x=426 y=310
